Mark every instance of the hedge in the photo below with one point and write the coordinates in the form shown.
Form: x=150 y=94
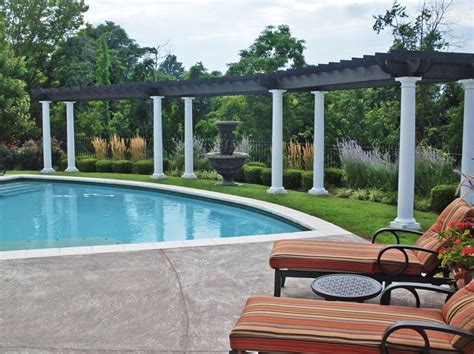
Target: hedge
x=442 y=195
x=122 y=166
x=104 y=166
x=256 y=164
x=266 y=176
x=252 y=174
x=86 y=165
x=307 y=180
x=143 y=167
x=332 y=177
x=292 y=179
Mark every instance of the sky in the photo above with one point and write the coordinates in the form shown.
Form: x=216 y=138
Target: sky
x=214 y=31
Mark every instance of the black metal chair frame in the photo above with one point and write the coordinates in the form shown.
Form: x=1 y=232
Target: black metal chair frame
x=385 y=276
x=3 y=170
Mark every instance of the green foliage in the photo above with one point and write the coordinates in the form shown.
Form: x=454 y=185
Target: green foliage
x=6 y=157
x=307 y=180
x=102 y=74
x=334 y=177
x=86 y=165
x=256 y=163
x=143 y=167
x=15 y=119
x=266 y=176
x=252 y=174
x=104 y=166
x=441 y=196
x=122 y=166
x=208 y=174
x=292 y=179
x=29 y=156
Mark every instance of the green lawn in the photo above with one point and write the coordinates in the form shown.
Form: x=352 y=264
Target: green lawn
x=360 y=217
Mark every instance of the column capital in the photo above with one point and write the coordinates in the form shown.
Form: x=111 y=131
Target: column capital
x=69 y=102
x=187 y=98
x=45 y=102
x=157 y=97
x=408 y=81
x=467 y=83
x=277 y=92
x=319 y=93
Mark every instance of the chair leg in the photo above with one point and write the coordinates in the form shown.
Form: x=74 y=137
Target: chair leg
x=278 y=282
x=283 y=279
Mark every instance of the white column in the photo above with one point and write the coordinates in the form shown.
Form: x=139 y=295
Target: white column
x=47 y=165
x=318 y=145
x=406 y=168
x=277 y=143
x=467 y=164
x=157 y=139
x=71 y=148
x=188 y=139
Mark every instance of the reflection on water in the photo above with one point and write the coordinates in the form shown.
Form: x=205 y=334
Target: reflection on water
x=62 y=214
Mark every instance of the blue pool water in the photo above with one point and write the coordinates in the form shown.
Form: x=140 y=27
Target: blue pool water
x=43 y=215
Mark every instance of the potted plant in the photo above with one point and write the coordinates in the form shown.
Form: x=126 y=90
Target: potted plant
x=457 y=251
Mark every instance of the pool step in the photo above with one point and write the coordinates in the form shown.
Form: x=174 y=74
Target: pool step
x=11 y=189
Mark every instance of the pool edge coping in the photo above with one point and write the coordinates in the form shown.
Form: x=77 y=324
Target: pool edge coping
x=317 y=227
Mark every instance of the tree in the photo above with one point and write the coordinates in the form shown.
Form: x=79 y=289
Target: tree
x=172 y=67
x=36 y=27
x=102 y=73
x=274 y=49
x=15 y=119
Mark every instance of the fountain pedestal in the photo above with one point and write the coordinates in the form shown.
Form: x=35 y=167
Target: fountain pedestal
x=227 y=162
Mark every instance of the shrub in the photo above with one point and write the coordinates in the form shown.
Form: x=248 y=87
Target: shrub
x=86 y=165
x=122 y=166
x=266 y=176
x=252 y=174
x=334 y=177
x=208 y=174
x=442 y=195
x=104 y=166
x=63 y=164
x=6 y=157
x=256 y=163
x=307 y=180
x=143 y=167
x=433 y=168
x=28 y=156
x=292 y=179
x=101 y=148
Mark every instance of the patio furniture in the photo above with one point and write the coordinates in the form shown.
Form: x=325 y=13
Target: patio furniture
x=412 y=263
x=346 y=287
x=3 y=170
x=272 y=324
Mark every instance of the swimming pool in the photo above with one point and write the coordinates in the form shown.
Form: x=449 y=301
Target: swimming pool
x=45 y=214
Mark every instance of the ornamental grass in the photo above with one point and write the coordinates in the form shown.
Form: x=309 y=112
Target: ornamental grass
x=137 y=148
x=118 y=148
x=101 y=148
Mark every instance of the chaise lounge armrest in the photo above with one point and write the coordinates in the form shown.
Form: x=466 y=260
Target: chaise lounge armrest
x=394 y=232
x=421 y=327
x=412 y=287
x=402 y=249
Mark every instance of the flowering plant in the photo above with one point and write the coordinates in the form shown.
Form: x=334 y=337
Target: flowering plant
x=458 y=246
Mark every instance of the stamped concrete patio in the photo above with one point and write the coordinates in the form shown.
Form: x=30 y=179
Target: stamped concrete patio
x=170 y=300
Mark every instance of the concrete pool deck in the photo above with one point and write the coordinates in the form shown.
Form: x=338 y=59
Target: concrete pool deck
x=165 y=300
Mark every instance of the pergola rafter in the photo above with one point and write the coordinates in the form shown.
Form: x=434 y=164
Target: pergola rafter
x=405 y=68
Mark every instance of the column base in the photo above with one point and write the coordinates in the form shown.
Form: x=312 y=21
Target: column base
x=48 y=170
x=158 y=176
x=409 y=224
x=71 y=169
x=276 y=190
x=189 y=176
x=318 y=191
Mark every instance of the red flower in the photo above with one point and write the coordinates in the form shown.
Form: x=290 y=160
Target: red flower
x=442 y=250
x=463 y=225
x=457 y=242
x=467 y=251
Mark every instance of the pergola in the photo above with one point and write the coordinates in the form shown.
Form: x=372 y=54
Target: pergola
x=381 y=69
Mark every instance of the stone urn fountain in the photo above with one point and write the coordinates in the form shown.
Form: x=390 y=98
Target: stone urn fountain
x=226 y=161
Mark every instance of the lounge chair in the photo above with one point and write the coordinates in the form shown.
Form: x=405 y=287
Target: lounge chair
x=415 y=263
x=273 y=324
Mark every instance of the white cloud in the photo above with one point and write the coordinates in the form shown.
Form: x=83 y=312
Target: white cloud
x=213 y=31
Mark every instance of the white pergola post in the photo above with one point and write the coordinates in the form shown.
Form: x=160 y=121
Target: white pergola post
x=47 y=164
x=406 y=168
x=157 y=139
x=467 y=164
x=277 y=143
x=188 y=139
x=71 y=146
x=318 y=145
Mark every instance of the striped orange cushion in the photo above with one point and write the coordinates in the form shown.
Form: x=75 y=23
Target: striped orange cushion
x=459 y=312
x=301 y=325
x=338 y=257
x=457 y=211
